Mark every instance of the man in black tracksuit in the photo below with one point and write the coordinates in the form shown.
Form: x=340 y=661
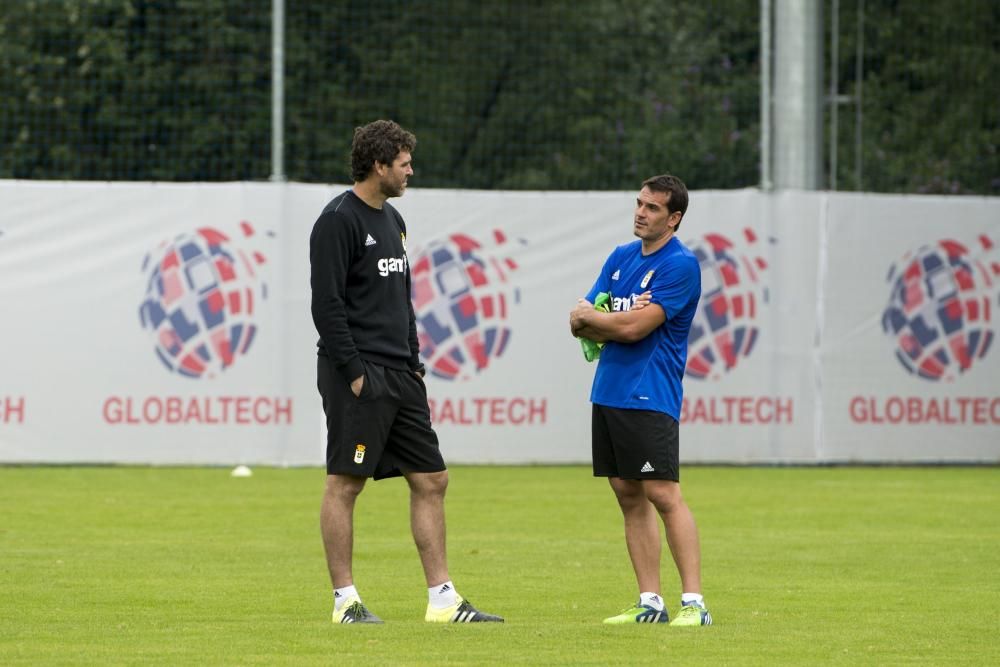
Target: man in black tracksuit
x=370 y=376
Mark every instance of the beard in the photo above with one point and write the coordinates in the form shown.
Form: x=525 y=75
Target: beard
x=393 y=189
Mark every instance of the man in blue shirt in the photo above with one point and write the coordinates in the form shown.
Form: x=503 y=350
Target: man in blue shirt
x=654 y=284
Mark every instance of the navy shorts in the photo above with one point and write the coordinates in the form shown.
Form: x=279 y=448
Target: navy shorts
x=635 y=444
x=384 y=432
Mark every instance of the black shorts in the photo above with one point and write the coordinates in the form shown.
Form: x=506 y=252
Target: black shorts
x=384 y=432
x=635 y=444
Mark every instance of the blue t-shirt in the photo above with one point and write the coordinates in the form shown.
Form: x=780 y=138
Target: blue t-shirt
x=647 y=375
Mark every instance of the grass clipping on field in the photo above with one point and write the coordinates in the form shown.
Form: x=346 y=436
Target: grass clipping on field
x=800 y=566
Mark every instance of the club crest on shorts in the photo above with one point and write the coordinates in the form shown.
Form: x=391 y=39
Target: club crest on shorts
x=646 y=279
x=359 y=453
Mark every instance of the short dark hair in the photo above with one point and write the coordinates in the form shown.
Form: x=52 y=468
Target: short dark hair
x=378 y=141
x=673 y=186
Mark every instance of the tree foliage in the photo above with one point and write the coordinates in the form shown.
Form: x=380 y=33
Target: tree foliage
x=930 y=117
x=592 y=94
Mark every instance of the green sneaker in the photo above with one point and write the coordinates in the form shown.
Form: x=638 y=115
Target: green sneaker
x=639 y=614
x=692 y=613
x=354 y=611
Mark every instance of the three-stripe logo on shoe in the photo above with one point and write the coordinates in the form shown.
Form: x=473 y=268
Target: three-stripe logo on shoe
x=369 y=240
x=646 y=468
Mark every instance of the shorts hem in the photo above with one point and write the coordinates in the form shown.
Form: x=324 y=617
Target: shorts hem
x=378 y=475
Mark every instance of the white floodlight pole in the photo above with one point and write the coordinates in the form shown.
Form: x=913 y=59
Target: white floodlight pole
x=765 y=95
x=277 y=90
x=798 y=94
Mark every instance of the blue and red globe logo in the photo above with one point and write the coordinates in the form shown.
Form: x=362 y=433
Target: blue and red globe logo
x=939 y=310
x=462 y=296
x=724 y=329
x=201 y=294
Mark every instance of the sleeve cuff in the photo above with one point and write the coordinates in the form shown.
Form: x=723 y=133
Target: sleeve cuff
x=353 y=369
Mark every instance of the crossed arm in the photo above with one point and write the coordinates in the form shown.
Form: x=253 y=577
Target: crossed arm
x=627 y=326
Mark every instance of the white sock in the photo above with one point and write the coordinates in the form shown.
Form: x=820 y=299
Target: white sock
x=342 y=595
x=443 y=595
x=651 y=600
x=692 y=597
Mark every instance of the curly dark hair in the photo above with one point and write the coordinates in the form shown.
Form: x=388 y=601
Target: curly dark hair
x=672 y=186
x=378 y=141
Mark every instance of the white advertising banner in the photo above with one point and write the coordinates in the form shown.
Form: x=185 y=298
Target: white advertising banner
x=170 y=324
x=909 y=366
x=145 y=324
x=750 y=391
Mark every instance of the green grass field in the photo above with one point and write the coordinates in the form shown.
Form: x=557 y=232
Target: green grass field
x=802 y=566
